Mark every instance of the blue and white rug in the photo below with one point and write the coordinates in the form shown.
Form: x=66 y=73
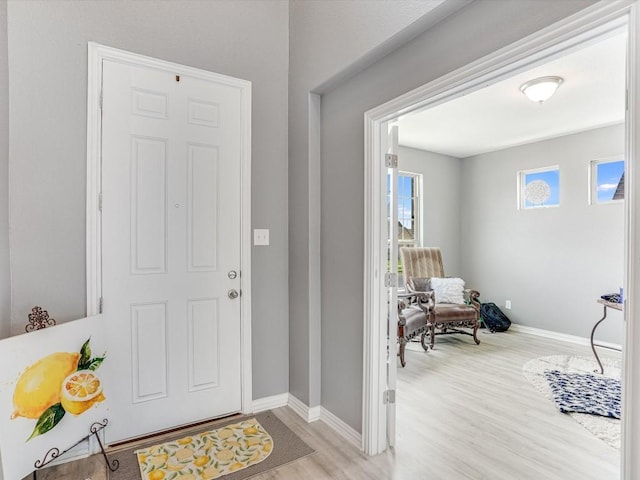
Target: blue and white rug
x=585 y=393
x=606 y=428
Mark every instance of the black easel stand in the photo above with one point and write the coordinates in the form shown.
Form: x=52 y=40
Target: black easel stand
x=54 y=452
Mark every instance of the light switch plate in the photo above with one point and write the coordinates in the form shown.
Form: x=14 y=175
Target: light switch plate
x=260 y=236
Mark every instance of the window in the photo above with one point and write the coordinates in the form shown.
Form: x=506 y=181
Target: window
x=539 y=188
x=409 y=208
x=607 y=181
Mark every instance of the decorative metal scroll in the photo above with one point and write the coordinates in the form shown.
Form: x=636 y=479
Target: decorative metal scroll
x=54 y=452
x=39 y=318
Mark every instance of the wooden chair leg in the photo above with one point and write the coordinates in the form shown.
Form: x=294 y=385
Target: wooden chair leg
x=432 y=334
x=403 y=344
x=475 y=333
x=423 y=341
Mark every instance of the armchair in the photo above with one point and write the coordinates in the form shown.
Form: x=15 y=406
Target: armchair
x=451 y=312
x=413 y=320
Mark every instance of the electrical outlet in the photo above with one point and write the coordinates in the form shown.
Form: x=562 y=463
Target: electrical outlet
x=507 y=304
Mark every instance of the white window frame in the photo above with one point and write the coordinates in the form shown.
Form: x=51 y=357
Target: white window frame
x=521 y=186
x=417 y=214
x=593 y=179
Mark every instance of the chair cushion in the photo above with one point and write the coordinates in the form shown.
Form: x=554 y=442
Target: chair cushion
x=448 y=290
x=449 y=312
x=414 y=318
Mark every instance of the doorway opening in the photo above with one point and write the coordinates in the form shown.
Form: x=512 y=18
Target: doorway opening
x=521 y=57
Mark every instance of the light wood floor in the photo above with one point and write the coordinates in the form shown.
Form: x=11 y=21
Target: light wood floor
x=464 y=412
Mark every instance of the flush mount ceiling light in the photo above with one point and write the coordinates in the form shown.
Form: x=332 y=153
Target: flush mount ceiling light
x=541 y=89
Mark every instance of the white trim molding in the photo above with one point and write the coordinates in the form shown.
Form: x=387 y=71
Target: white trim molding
x=590 y=23
x=562 y=337
x=312 y=414
x=97 y=54
x=269 y=403
x=631 y=359
x=346 y=431
x=308 y=414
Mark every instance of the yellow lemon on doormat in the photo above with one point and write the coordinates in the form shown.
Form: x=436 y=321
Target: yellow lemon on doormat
x=80 y=391
x=201 y=461
x=38 y=387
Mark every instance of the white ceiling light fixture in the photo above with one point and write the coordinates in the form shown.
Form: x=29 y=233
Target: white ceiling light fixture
x=541 y=89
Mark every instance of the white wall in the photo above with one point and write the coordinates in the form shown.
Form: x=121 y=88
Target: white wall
x=552 y=263
x=441 y=202
x=5 y=286
x=48 y=75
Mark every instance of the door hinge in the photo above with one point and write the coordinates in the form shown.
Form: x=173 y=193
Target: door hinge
x=389 y=396
x=390 y=279
x=626 y=100
x=100 y=303
x=391 y=160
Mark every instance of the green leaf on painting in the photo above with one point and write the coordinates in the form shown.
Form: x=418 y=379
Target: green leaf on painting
x=49 y=419
x=85 y=355
x=95 y=363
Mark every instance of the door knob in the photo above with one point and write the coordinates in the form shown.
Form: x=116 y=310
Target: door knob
x=233 y=294
x=232 y=274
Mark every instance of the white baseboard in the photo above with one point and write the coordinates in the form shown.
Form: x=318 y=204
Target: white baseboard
x=341 y=427
x=267 y=403
x=309 y=414
x=320 y=413
x=563 y=337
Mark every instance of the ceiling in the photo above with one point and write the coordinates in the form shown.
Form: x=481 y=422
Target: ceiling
x=500 y=116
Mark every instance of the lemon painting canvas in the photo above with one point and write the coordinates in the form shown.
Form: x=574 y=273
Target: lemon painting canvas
x=207 y=455
x=51 y=391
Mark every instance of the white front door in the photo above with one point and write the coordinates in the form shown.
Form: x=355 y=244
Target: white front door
x=171 y=232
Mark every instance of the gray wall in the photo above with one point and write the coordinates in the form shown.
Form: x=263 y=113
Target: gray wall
x=48 y=79
x=5 y=285
x=441 y=202
x=479 y=29
x=552 y=263
x=327 y=41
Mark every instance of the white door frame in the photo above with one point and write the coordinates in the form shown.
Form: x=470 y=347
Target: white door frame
x=561 y=36
x=96 y=55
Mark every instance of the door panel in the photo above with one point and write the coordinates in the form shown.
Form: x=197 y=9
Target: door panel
x=149 y=352
x=204 y=368
x=171 y=202
x=203 y=207
x=148 y=205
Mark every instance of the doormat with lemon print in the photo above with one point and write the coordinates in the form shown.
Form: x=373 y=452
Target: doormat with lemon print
x=287 y=447
x=208 y=455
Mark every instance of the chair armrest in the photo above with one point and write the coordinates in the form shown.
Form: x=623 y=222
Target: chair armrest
x=473 y=297
x=424 y=300
x=404 y=300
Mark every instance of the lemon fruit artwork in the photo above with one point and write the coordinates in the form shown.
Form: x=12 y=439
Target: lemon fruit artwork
x=80 y=391
x=39 y=386
x=59 y=383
